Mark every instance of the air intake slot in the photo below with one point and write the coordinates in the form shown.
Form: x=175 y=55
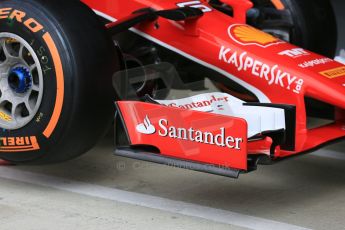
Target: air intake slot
x=318 y=113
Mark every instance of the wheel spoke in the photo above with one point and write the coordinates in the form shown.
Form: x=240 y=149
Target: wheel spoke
x=5 y=49
x=13 y=111
x=28 y=107
x=32 y=67
x=21 y=49
x=35 y=88
x=2 y=83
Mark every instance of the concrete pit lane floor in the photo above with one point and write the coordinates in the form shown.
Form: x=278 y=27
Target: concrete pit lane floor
x=101 y=191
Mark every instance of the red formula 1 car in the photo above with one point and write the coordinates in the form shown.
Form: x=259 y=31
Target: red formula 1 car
x=214 y=86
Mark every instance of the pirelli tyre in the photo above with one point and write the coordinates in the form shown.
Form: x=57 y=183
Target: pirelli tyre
x=56 y=63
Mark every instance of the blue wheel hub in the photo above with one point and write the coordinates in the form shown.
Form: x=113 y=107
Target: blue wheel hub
x=20 y=79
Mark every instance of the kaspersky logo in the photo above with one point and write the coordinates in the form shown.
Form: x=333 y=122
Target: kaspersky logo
x=146 y=127
x=218 y=138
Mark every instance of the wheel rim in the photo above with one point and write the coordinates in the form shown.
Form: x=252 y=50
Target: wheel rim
x=21 y=82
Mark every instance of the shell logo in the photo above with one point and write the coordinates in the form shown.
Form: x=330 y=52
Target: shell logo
x=247 y=35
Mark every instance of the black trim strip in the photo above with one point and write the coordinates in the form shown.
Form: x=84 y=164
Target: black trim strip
x=149 y=14
x=119 y=120
x=156 y=158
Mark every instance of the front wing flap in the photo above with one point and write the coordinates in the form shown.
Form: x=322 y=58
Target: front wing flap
x=185 y=135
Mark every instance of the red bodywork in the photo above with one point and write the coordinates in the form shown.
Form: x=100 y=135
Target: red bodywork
x=229 y=153
x=275 y=71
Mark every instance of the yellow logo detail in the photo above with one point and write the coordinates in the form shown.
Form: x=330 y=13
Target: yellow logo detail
x=5 y=117
x=333 y=73
x=247 y=35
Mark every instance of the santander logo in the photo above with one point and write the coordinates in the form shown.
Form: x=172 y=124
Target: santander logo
x=219 y=137
x=146 y=127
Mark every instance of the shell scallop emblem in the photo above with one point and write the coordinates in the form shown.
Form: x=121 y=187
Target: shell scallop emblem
x=247 y=35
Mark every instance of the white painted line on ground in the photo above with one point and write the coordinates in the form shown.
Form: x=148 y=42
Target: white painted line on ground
x=330 y=154
x=178 y=207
